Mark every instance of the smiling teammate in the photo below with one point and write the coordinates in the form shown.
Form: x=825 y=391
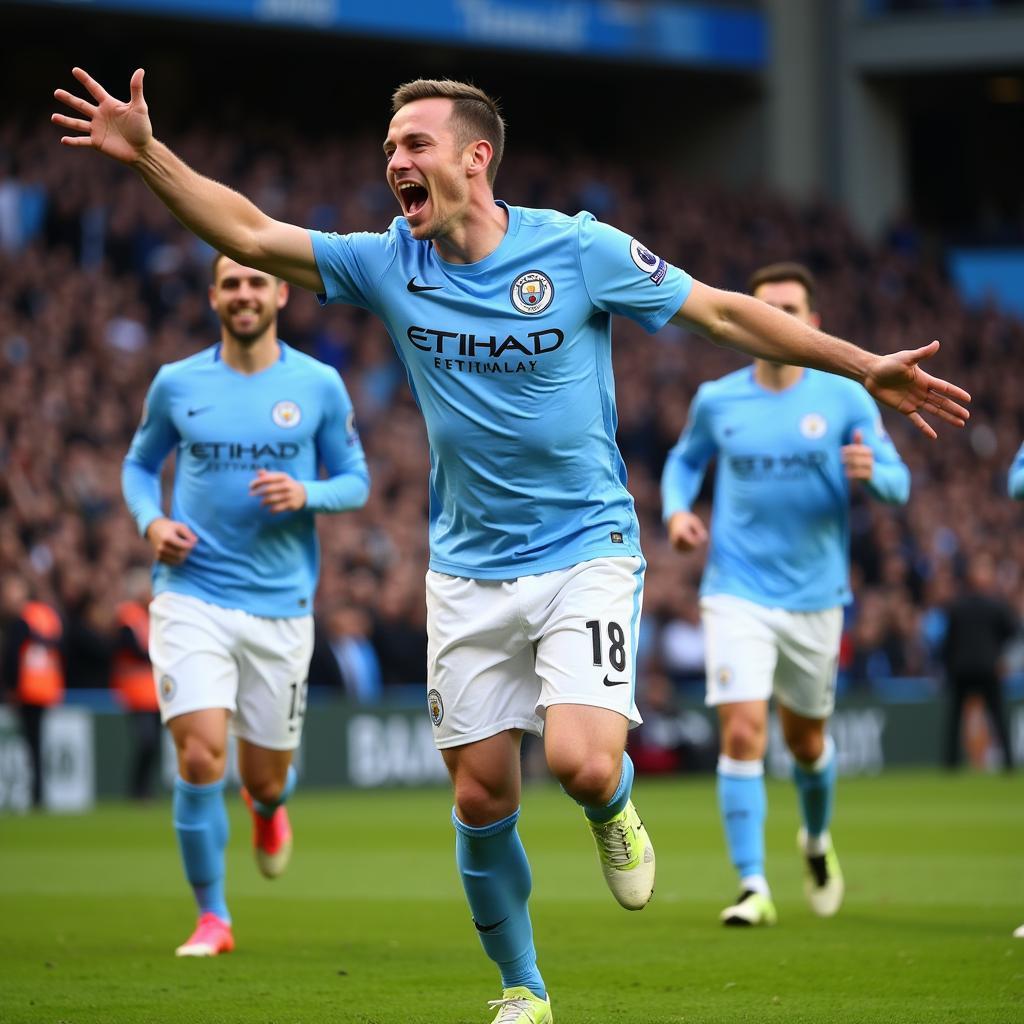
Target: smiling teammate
x=236 y=567
x=502 y=318
x=788 y=442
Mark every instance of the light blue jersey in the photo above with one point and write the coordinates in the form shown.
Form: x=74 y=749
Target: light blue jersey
x=510 y=362
x=779 y=528
x=292 y=417
x=1015 y=483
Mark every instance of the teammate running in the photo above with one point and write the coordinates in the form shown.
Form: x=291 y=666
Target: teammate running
x=789 y=442
x=231 y=624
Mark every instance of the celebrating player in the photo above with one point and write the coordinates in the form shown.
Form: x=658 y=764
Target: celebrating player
x=502 y=317
x=236 y=567
x=788 y=442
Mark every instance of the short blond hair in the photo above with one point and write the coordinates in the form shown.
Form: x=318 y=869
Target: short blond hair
x=475 y=115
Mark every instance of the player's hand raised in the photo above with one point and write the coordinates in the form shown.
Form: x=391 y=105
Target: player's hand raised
x=172 y=541
x=120 y=130
x=898 y=381
x=857 y=458
x=278 y=492
x=686 y=531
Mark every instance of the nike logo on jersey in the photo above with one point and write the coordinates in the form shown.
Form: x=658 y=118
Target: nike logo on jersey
x=485 y=928
x=615 y=682
x=414 y=287
x=202 y=408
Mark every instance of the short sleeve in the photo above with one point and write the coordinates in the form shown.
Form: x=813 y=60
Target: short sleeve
x=351 y=265
x=625 y=277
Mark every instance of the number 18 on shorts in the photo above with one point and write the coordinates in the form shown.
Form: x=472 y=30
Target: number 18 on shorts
x=500 y=652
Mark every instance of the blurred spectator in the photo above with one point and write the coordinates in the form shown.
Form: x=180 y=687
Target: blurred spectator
x=349 y=630
x=979 y=626
x=400 y=630
x=671 y=738
x=131 y=676
x=33 y=667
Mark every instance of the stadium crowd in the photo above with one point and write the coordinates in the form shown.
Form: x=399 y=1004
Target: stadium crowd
x=99 y=286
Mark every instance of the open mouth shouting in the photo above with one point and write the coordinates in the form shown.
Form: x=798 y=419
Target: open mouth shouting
x=413 y=196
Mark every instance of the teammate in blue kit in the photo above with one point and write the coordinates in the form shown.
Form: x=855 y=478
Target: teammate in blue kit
x=231 y=626
x=502 y=318
x=1015 y=487
x=1015 y=480
x=788 y=442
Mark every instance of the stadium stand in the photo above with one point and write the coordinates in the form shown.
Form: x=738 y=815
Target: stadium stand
x=99 y=286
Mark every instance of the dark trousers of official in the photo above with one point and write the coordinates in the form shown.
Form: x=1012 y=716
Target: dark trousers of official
x=989 y=687
x=146 y=743
x=32 y=731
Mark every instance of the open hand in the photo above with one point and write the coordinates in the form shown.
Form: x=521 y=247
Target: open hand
x=278 y=492
x=120 y=130
x=898 y=381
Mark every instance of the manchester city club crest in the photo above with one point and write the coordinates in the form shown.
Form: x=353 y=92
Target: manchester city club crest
x=286 y=414
x=435 y=706
x=168 y=688
x=813 y=426
x=532 y=292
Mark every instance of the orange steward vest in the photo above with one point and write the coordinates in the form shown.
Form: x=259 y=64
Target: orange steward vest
x=132 y=676
x=40 y=665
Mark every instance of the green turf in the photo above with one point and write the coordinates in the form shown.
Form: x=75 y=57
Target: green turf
x=369 y=924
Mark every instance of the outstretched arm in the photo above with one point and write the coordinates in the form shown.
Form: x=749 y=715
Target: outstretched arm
x=217 y=214
x=748 y=325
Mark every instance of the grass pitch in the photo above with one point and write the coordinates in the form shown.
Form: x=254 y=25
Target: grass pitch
x=369 y=925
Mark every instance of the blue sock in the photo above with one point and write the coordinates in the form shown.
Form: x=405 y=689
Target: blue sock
x=266 y=810
x=619 y=798
x=201 y=821
x=742 y=802
x=816 y=786
x=496 y=876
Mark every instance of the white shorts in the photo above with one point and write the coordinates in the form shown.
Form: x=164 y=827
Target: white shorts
x=500 y=652
x=205 y=656
x=752 y=652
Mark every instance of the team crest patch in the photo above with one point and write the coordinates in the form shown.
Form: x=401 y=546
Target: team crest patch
x=723 y=675
x=813 y=426
x=435 y=706
x=532 y=292
x=168 y=688
x=645 y=260
x=286 y=414
x=350 y=428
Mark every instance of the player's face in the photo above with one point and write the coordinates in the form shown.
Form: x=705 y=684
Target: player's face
x=790 y=297
x=246 y=300
x=425 y=167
